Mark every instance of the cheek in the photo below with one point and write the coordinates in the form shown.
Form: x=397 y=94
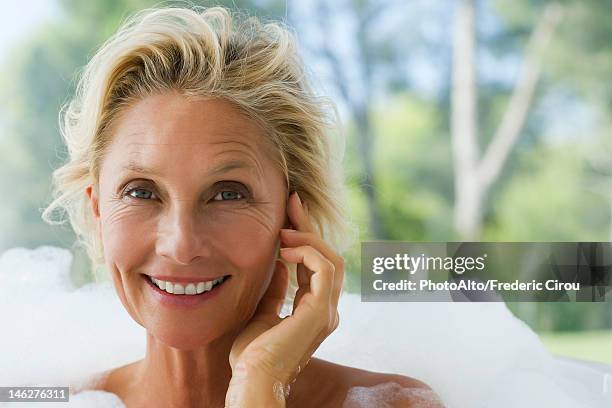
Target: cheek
x=122 y=233
x=125 y=235
x=251 y=248
x=249 y=243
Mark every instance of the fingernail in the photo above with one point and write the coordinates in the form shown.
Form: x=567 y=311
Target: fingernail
x=287 y=230
x=298 y=197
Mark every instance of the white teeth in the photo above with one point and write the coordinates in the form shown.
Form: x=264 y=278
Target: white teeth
x=189 y=289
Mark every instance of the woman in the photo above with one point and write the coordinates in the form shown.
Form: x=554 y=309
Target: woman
x=199 y=174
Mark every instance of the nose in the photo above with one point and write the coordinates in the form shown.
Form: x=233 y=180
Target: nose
x=181 y=237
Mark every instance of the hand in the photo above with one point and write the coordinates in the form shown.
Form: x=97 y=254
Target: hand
x=277 y=348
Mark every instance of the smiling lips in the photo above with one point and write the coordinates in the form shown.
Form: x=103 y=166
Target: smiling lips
x=191 y=288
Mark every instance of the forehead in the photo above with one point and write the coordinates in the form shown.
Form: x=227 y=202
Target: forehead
x=175 y=128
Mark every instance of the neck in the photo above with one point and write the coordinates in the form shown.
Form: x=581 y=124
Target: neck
x=185 y=378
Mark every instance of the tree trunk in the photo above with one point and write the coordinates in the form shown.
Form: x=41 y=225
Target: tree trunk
x=468 y=197
x=364 y=144
x=474 y=176
x=358 y=107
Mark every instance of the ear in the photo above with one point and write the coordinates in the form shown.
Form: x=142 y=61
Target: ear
x=95 y=207
x=94 y=201
x=287 y=222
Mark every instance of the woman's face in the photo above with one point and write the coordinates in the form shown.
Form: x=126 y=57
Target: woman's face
x=188 y=191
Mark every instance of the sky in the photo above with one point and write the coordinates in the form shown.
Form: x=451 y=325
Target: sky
x=16 y=21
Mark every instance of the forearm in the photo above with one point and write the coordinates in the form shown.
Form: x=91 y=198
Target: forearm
x=254 y=390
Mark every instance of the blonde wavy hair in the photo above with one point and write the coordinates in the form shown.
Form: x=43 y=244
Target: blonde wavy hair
x=204 y=52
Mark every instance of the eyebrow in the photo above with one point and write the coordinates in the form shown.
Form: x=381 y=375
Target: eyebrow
x=224 y=167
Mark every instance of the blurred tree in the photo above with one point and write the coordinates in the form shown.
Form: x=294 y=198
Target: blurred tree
x=577 y=60
x=475 y=174
x=358 y=78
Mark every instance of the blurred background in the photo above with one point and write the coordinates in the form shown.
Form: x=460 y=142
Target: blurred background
x=465 y=120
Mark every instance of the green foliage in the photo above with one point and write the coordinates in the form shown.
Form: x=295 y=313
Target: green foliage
x=408 y=150
x=413 y=169
x=589 y=345
x=548 y=199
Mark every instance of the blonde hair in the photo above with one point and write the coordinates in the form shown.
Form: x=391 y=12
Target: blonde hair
x=204 y=52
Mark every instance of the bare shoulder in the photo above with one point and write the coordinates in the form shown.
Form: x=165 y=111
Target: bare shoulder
x=114 y=381
x=338 y=385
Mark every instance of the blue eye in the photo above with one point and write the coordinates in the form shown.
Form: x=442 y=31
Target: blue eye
x=138 y=189
x=228 y=195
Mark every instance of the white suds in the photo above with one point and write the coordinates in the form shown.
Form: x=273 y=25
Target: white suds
x=387 y=395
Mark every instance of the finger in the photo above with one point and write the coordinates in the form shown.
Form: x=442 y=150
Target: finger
x=293 y=238
x=322 y=279
x=303 y=273
x=274 y=297
x=297 y=214
x=298 y=218
x=337 y=321
x=298 y=296
x=303 y=279
x=336 y=259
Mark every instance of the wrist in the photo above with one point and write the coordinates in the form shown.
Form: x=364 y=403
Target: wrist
x=252 y=388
